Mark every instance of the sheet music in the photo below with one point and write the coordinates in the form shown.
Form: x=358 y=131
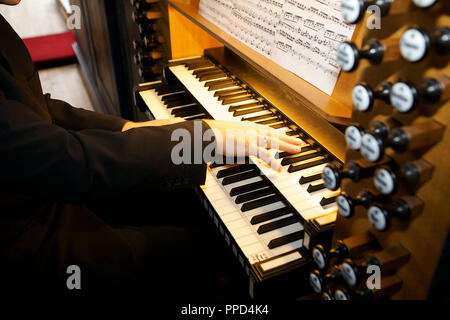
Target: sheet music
x=300 y=35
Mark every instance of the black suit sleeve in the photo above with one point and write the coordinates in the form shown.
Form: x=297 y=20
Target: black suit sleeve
x=71 y=118
x=45 y=160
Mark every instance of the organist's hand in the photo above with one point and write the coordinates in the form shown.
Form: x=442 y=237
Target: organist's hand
x=254 y=139
x=154 y=123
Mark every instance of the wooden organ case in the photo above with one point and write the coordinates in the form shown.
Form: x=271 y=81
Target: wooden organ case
x=412 y=248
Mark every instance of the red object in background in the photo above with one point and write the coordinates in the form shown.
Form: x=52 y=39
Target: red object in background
x=52 y=50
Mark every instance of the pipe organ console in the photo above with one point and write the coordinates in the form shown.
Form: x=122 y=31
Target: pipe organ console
x=367 y=191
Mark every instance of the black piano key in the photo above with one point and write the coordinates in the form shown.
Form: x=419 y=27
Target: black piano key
x=209 y=73
x=179 y=103
x=232 y=96
x=307 y=164
x=305 y=147
x=260 y=218
x=236 y=100
x=249 y=187
x=240 y=177
x=234 y=170
x=281 y=241
x=256 y=118
x=216 y=165
x=278 y=224
x=212 y=76
x=196 y=60
x=174 y=107
x=175 y=96
x=244 y=106
x=310 y=177
x=300 y=157
x=291 y=133
x=328 y=200
x=190 y=112
x=260 y=203
x=231 y=160
x=220 y=84
x=176 y=111
x=270 y=121
x=315 y=187
x=254 y=195
x=283 y=154
x=170 y=89
x=247 y=111
x=228 y=91
x=205 y=70
x=199 y=65
x=278 y=126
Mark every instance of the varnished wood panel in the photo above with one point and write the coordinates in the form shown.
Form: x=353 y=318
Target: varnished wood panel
x=334 y=108
x=188 y=39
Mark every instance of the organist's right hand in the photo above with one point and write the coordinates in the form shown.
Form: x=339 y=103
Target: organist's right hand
x=252 y=139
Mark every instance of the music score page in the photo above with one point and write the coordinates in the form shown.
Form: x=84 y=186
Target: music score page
x=299 y=35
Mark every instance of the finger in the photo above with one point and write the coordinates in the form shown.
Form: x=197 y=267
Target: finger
x=275 y=143
x=264 y=155
x=290 y=140
x=284 y=146
x=266 y=130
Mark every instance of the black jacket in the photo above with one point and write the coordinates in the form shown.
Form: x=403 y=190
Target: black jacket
x=54 y=158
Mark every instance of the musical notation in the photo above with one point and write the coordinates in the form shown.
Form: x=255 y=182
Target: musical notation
x=300 y=35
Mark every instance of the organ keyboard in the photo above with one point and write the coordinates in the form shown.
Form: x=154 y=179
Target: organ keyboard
x=273 y=222
x=260 y=212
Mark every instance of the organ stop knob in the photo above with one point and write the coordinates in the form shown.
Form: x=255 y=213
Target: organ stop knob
x=388 y=286
x=353 y=136
x=405 y=96
x=364 y=97
x=387 y=260
x=404 y=208
x=401 y=139
x=319 y=281
x=344 y=248
x=375 y=51
x=387 y=178
x=353 y=10
x=353 y=170
x=346 y=204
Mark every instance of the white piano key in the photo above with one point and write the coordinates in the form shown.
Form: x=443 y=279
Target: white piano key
x=318 y=211
x=231 y=216
x=198 y=90
x=247 y=240
x=155 y=104
x=260 y=210
x=237 y=224
x=242 y=232
x=252 y=249
x=278 y=262
x=295 y=245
